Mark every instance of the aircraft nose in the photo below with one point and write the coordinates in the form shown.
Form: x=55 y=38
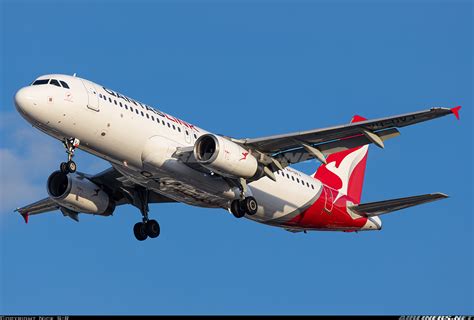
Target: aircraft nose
x=25 y=100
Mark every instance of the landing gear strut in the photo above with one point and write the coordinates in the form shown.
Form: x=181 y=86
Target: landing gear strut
x=147 y=228
x=70 y=144
x=240 y=208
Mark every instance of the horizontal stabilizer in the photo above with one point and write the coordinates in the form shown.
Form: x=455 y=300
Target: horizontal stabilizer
x=381 y=207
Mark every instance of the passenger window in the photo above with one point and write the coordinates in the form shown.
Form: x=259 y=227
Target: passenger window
x=142 y=113
x=148 y=117
x=312 y=186
x=39 y=82
x=187 y=133
x=105 y=98
x=136 y=111
x=292 y=178
x=152 y=118
x=120 y=103
x=195 y=136
x=65 y=84
x=110 y=100
x=115 y=101
x=174 y=128
x=100 y=95
x=168 y=125
x=55 y=82
x=179 y=129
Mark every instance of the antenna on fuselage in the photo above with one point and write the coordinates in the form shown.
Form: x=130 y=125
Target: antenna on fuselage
x=74 y=75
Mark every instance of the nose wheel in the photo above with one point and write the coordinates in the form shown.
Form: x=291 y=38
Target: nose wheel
x=68 y=167
x=70 y=144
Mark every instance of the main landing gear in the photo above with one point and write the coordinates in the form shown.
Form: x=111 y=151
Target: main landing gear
x=244 y=205
x=70 y=144
x=147 y=228
x=241 y=207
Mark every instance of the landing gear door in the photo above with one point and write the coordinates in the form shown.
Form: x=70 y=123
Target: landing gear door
x=92 y=96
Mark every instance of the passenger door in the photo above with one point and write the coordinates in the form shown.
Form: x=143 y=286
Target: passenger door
x=92 y=96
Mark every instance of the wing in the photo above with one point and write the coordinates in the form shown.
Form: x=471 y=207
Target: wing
x=319 y=142
x=276 y=152
x=41 y=206
x=122 y=190
x=386 y=206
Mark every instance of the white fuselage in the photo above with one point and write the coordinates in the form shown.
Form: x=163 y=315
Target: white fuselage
x=140 y=142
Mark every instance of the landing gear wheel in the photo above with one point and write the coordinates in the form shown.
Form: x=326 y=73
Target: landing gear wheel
x=250 y=205
x=71 y=166
x=140 y=231
x=152 y=228
x=236 y=209
x=63 y=167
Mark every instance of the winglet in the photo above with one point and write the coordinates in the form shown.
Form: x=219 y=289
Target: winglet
x=357 y=118
x=456 y=111
x=25 y=216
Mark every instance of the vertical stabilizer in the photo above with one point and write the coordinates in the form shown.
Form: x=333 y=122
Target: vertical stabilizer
x=345 y=170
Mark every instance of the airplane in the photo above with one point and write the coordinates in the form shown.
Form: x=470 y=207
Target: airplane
x=158 y=158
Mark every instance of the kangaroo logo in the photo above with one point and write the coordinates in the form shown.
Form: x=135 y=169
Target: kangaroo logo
x=345 y=168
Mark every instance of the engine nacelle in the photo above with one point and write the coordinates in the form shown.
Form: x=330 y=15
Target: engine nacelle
x=225 y=157
x=79 y=194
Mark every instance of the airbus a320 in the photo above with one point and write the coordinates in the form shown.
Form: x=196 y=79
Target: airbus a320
x=158 y=158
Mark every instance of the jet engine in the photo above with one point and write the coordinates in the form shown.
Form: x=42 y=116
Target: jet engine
x=77 y=193
x=225 y=157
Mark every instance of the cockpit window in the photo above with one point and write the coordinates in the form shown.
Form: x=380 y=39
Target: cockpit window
x=64 y=84
x=41 y=81
x=55 y=82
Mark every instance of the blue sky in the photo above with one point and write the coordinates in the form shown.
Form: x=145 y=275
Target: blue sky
x=246 y=69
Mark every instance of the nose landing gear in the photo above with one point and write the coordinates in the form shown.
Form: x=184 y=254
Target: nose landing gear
x=70 y=144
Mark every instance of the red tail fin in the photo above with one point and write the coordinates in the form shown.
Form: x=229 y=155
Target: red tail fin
x=345 y=170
